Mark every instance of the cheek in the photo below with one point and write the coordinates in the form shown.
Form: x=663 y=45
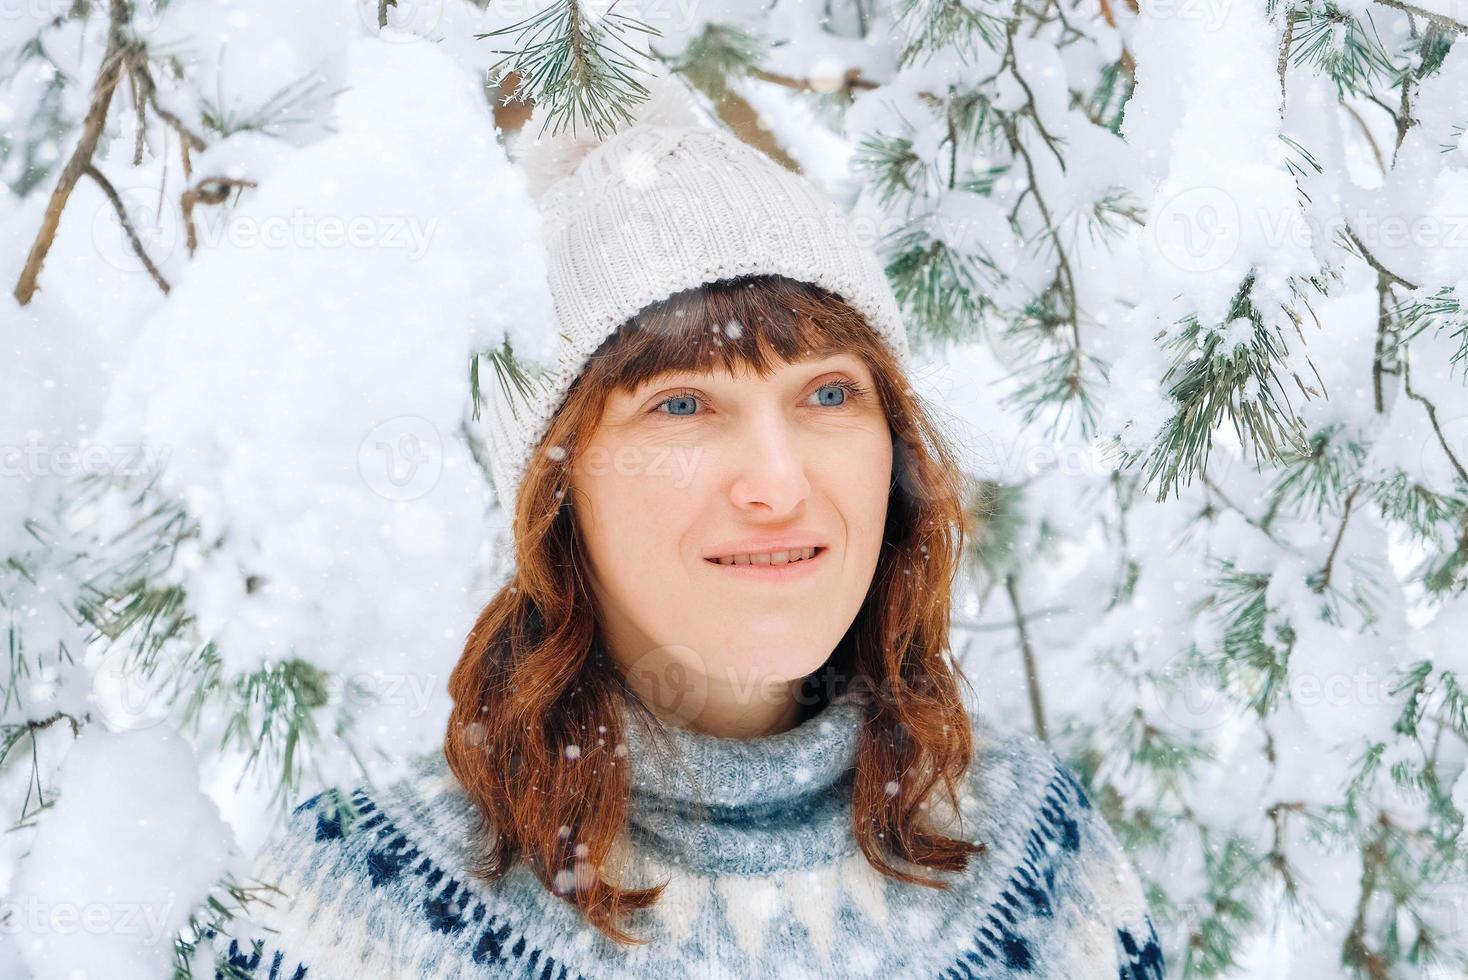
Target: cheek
x=633 y=506
x=861 y=473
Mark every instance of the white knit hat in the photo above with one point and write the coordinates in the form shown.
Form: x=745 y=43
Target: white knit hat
x=663 y=205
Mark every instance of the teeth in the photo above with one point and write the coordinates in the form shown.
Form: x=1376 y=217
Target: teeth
x=769 y=557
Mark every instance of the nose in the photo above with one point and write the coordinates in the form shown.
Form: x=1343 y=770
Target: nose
x=769 y=467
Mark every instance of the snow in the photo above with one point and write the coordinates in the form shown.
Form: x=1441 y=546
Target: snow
x=1340 y=682
x=301 y=392
x=126 y=852
x=353 y=432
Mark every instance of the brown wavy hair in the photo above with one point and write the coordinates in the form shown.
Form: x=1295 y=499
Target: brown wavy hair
x=534 y=677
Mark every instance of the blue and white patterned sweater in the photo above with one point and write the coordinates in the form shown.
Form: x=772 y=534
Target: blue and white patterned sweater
x=766 y=881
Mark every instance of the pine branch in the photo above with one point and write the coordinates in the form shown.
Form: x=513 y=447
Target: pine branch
x=929 y=27
x=1339 y=44
x=227 y=900
x=1441 y=310
x=1312 y=483
x=567 y=62
x=939 y=283
x=1209 y=383
x=509 y=372
x=11 y=735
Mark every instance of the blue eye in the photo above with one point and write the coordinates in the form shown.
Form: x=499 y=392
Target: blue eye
x=686 y=401
x=837 y=393
x=831 y=395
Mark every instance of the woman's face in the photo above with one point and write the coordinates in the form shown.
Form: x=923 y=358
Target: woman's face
x=696 y=466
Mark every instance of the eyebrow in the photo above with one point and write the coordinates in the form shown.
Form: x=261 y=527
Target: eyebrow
x=814 y=363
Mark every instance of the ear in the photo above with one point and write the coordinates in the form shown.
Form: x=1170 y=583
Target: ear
x=545 y=158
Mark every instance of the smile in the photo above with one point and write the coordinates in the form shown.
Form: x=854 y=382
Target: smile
x=769 y=557
x=776 y=566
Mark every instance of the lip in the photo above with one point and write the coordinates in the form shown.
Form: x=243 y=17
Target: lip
x=774 y=573
x=772 y=542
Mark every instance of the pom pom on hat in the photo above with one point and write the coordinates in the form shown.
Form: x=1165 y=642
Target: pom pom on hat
x=546 y=158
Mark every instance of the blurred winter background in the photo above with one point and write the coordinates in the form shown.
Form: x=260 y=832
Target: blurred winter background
x=1184 y=277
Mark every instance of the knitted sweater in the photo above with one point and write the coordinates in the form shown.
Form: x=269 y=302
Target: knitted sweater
x=765 y=880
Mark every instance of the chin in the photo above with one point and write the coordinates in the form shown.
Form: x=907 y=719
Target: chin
x=771 y=657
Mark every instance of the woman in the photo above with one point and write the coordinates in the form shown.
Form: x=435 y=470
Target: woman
x=710 y=727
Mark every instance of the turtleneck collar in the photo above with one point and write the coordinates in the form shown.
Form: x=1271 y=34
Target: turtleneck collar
x=746 y=806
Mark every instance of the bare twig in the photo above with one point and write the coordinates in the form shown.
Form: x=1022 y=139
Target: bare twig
x=1340 y=532
x=1432 y=417
x=1277 y=858
x=1366 y=131
x=851 y=81
x=970 y=626
x=1284 y=51
x=1031 y=108
x=1250 y=519
x=138 y=67
x=1441 y=20
x=1027 y=651
x=1404 y=115
x=1356 y=951
x=132 y=235
x=1371 y=260
x=81 y=157
x=1378 y=356
x=209 y=190
x=1128 y=63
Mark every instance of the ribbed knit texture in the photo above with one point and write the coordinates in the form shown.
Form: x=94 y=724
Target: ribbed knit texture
x=765 y=878
x=656 y=210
